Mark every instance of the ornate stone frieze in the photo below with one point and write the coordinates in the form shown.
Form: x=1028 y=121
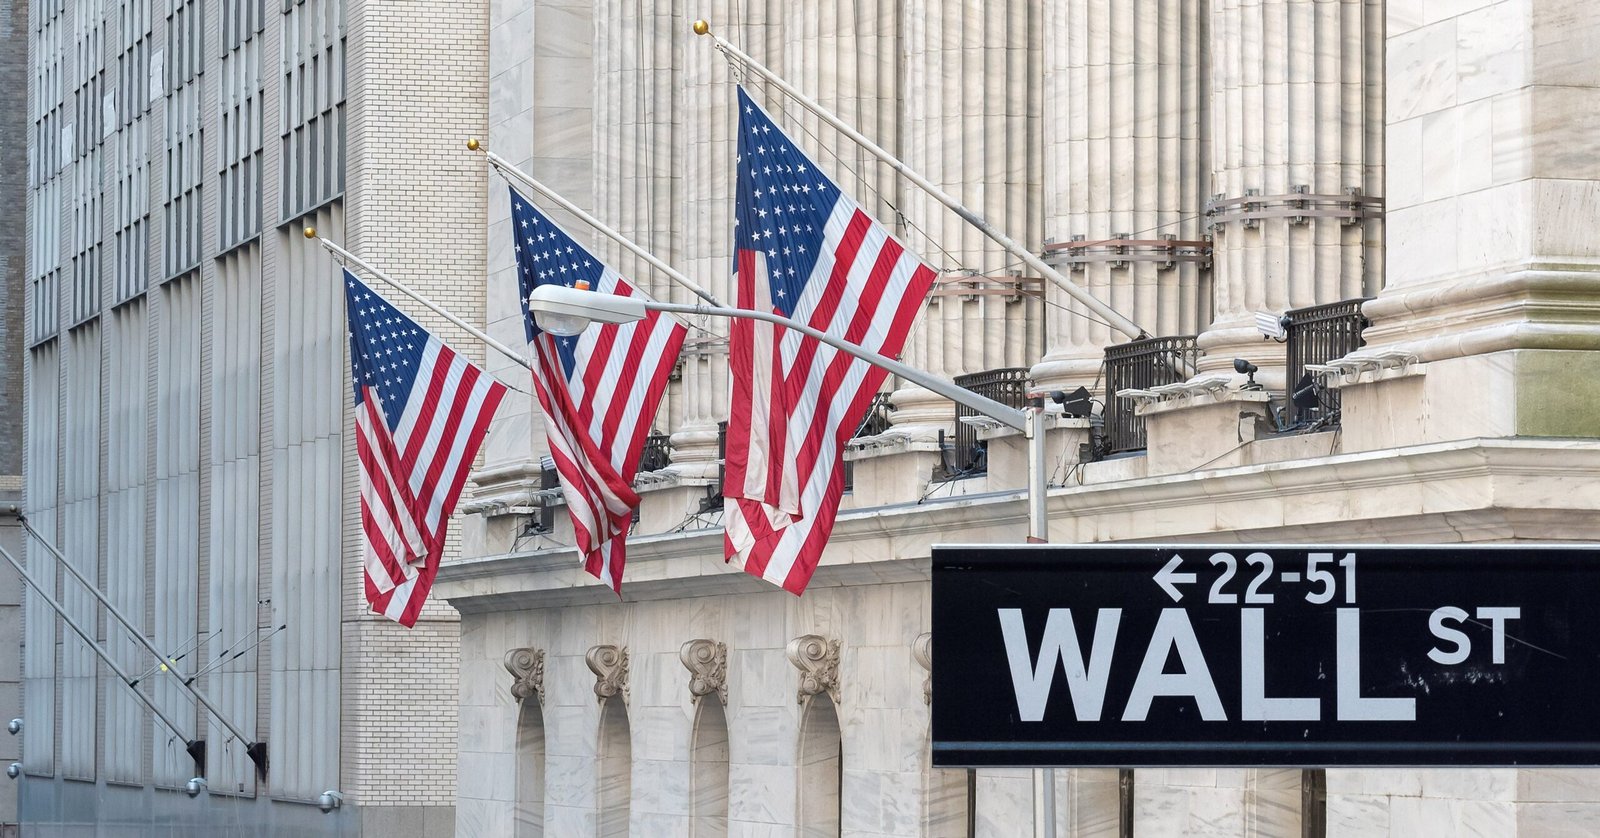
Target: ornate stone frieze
x=527 y=673
x=817 y=658
x=707 y=662
x=922 y=651
x=610 y=667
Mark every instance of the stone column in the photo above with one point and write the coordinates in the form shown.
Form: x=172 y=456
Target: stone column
x=1296 y=124
x=1493 y=276
x=971 y=96
x=1125 y=158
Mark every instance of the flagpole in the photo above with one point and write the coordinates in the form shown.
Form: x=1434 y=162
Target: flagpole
x=167 y=666
x=311 y=233
x=506 y=167
x=1112 y=317
x=95 y=645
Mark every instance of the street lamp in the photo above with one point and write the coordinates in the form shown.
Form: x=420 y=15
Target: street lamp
x=568 y=311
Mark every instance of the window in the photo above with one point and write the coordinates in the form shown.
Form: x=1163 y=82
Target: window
x=616 y=769
x=821 y=769
x=708 y=783
x=311 y=128
x=240 y=161
x=530 y=770
x=184 y=63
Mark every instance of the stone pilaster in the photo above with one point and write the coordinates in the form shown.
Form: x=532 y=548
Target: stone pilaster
x=1494 y=267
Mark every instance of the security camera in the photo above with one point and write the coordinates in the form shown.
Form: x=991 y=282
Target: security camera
x=194 y=786
x=14 y=726
x=14 y=770
x=329 y=800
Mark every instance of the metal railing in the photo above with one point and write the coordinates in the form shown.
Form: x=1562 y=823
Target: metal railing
x=968 y=455
x=1140 y=365
x=713 y=499
x=875 y=422
x=1317 y=335
x=657 y=453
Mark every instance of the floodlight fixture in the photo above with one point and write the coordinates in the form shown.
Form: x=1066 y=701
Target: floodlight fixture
x=1077 y=403
x=1272 y=326
x=1249 y=370
x=1304 y=394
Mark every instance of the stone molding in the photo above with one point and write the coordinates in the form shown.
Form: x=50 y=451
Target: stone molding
x=922 y=652
x=610 y=667
x=707 y=662
x=527 y=673
x=817 y=658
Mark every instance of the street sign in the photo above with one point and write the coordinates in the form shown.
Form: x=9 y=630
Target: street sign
x=1217 y=654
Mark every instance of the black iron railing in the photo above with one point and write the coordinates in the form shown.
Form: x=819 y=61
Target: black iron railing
x=968 y=455
x=713 y=499
x=1140 y=365
x=1317 y=335
x=875 y=422
x=657 y=453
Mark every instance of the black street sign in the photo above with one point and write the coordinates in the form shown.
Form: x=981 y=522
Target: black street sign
x=1266 y=655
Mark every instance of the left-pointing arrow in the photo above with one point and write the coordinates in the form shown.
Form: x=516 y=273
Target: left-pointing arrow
x=1169 y=578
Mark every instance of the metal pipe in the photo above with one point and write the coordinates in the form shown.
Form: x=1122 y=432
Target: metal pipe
x=168 y=666
x=1010 y=416
x=311 y=233
x=93 y=644
x=1112 y=317
x=505 y=166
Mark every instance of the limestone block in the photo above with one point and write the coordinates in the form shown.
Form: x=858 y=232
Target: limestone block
x=1422 y=71
x=663 y=509
x=892 y=475
x=1189 y=433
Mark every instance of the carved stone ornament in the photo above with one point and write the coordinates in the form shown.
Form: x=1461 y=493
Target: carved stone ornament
x=707 y=662
x=922 y=650
x=610 y=667
x=817 y=658
x=527 y=673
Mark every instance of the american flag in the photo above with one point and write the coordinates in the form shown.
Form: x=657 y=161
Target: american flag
x=599 y=391
x=805 y=250
x=421 y=413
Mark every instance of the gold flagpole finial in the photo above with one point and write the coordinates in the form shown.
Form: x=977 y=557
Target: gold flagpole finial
x=473 y=144
x=701 y=27
x=311 y=232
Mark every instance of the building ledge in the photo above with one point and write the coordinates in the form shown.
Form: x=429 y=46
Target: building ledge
x=1466 y=490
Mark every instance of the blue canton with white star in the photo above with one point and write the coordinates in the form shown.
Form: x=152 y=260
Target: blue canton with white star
x=782 y=203
x=385 y=349
x=546 y=255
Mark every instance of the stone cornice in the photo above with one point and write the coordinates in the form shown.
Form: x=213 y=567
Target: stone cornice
x=1479 y=489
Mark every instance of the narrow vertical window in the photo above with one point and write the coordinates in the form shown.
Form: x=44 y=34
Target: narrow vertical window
x=616 y=769
x=530 y=770
x=821 y=769
x=709 y=777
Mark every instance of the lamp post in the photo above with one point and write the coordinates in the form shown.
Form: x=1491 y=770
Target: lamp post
x=568 y=311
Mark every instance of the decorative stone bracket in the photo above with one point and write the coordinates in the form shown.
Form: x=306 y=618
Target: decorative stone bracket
x=707 y=662
x=922 y=651
x=817 y=658
x=527 y=673
x=610 y=667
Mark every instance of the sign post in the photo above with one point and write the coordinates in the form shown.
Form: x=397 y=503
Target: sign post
x=1266 y=655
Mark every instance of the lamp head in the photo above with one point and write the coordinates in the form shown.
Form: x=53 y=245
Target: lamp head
x=566 y=311
x=1304 y=394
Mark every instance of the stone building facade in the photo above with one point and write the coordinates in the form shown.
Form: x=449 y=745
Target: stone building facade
x=1432 y=166
x=188 y=411
x=13 y=252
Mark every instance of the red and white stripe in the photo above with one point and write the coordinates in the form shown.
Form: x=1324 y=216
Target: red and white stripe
x=597 y=421
x=411 y=479
x=783 y=496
